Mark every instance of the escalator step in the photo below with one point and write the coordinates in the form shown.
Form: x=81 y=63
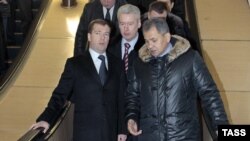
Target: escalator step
x=18 y=26
x=36 y=3
x=18 y=36
x=12 y=51
x=17 y=14
x=34 y=12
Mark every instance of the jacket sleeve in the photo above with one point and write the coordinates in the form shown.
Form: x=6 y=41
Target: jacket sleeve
x=132 y=101
x=210 y=97
x=176 y=23
x=121 y=106
x=179 y=9
x=59 y=96
x=82 y=31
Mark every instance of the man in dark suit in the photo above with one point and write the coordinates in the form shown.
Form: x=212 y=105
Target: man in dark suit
x=141 y=4
x=126 y=46
x=98 y=9
x=178 y=6
x=94 y=81
x=158 y=9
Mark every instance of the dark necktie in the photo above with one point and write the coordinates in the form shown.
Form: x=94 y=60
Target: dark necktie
x=103 y=69
x=125 y=58
x=107 y=16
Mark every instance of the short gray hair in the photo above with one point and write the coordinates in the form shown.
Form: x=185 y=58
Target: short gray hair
x=129 y=9
x=159 y=23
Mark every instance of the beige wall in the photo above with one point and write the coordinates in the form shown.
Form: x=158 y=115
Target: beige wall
x=229 y=64
x=224 y=28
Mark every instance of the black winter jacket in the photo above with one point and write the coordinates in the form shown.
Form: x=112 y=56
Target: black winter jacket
x=162 y=94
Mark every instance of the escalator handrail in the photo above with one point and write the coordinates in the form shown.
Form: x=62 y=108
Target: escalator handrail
x=37 y=134
x=192 y=18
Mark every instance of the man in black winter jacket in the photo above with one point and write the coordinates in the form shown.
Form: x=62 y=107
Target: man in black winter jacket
x=165 y=82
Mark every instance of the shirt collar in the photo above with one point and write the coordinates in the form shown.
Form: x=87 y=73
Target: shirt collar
x=167 y=50
x=104 y=9
x=132 y=42
x=94 y=55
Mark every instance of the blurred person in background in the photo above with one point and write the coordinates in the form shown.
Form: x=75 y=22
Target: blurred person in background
x=97 y=9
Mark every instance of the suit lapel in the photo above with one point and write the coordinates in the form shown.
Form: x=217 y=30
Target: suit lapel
x=115 y=47
x=110 y=68
x=86 y=63
x=140 y=42
x=98 y=11
x=114 y=16
x=118 y=49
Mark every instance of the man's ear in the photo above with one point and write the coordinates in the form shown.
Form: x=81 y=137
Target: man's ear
x=171 y=6
x=89 y=39
x=139 y=23
x=148 y=13
x=168 y=37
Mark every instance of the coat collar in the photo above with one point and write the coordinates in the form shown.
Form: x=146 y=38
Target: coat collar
x=180 y=46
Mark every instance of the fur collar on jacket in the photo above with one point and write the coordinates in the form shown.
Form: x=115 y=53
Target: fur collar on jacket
x=179 y=47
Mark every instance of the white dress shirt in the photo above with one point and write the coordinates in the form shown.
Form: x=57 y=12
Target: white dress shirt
x=131 y=43
x=111 y=11
x=94 y=55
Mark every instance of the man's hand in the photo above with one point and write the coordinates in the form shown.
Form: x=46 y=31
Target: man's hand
x=133 y=128
x=42 y=124
x=122 y=137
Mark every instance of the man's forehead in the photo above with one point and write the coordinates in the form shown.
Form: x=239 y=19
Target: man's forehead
x=153 y=12
x=151 y=32
x=107 y=1
x=127 y=17
x=100 y=27
x=165 y=0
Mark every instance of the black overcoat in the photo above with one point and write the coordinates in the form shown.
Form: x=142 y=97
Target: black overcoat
x=98 y=109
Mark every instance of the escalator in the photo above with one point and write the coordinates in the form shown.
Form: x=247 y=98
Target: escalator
x=61 y=130
x=17 y=48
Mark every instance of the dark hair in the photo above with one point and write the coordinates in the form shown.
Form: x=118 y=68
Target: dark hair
x=159 y=23
x=158 y=6
x=97 y=21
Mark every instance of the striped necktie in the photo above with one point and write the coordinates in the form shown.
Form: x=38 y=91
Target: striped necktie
x=125 y=58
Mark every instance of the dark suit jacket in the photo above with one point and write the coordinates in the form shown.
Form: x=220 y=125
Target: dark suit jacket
x=143 y=5
x=93 y=10
x=98 y=109
x=178 y=9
